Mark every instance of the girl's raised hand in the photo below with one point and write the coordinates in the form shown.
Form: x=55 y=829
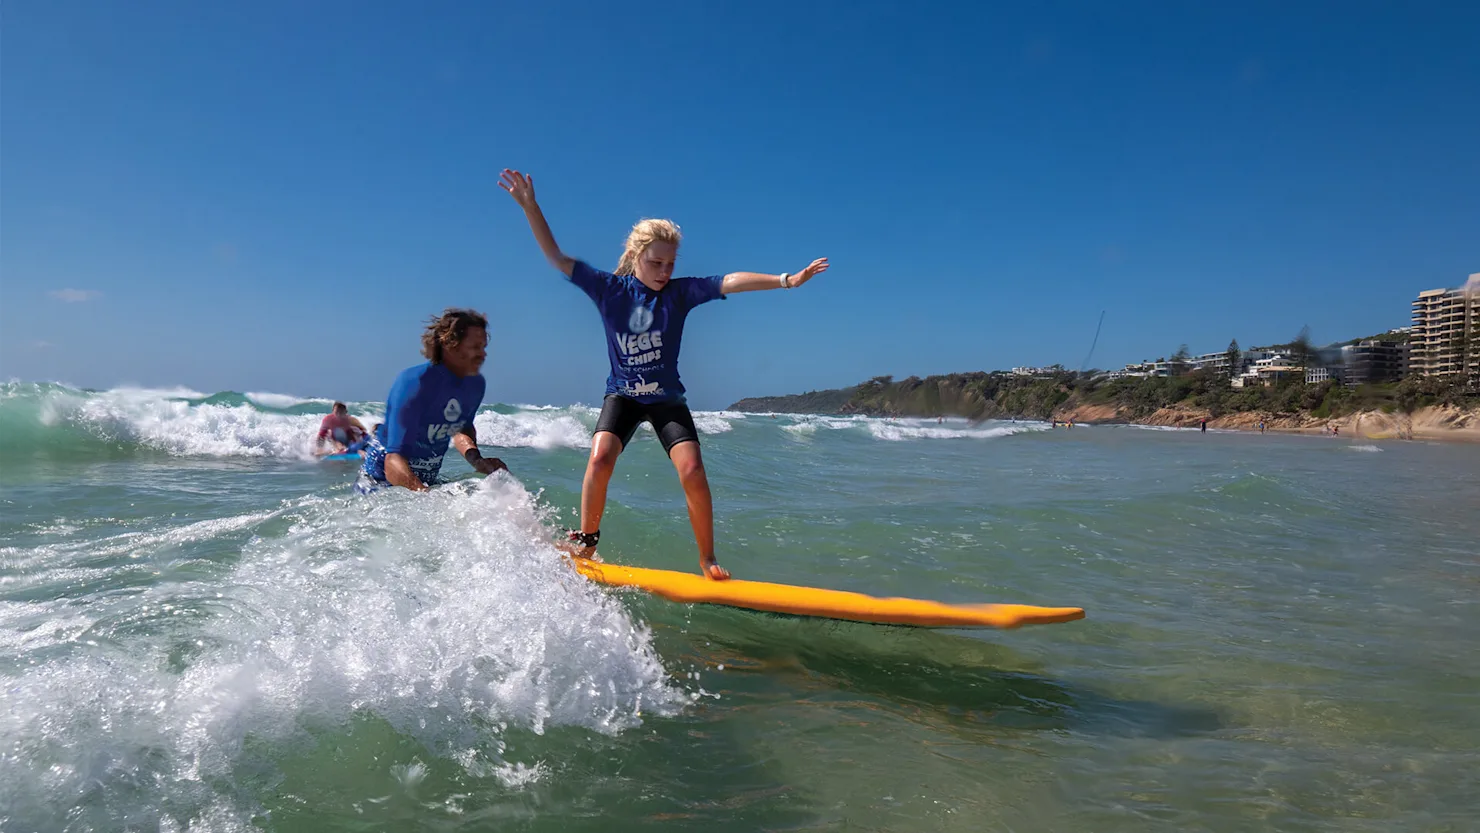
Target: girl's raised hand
x=519 y=186
x=813 y=269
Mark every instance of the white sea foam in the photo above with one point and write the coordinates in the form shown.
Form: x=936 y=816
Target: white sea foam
x=173 y=425
x=570 y=427
x=714 y=422
x=284 y=400
x=151 y=393
x=809 y=424
x=1158 y=428
x=167 y=421
x=912 y=428
x=1367 y=448
x=447 y=616
x=543 y=429
x=897 y=430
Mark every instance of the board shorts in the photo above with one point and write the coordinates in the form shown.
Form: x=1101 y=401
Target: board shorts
x=366 y=485
x=671 y=421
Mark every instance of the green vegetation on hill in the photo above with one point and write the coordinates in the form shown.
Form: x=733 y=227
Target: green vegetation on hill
x=1390 y=337
x=982 y=395
x=812 y=402
x=977 y=395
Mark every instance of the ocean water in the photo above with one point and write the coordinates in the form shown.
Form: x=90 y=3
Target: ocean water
x=203 y=629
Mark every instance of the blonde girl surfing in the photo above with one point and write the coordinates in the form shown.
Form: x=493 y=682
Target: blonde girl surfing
x=643 y=309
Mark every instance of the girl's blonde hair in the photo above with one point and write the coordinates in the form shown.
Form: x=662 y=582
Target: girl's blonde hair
x=644 y=234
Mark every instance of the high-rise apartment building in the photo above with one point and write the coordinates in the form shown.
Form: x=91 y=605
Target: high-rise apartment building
x=1446 y=331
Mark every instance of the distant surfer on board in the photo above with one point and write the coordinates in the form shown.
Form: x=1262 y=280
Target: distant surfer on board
x=358 y=446
x=338 y=430
x=431 y=406
x=643 y=308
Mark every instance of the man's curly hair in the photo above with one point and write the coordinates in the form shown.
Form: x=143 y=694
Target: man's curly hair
x=448 y=330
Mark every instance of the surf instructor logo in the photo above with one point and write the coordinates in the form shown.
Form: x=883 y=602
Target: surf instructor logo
x=640 y=320
x=452 y=411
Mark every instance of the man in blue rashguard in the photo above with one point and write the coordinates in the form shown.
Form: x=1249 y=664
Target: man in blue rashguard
x=431 y=406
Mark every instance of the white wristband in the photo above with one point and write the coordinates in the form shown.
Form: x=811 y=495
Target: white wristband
x=785 y=280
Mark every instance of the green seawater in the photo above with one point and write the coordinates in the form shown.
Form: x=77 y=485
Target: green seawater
x=203 y=629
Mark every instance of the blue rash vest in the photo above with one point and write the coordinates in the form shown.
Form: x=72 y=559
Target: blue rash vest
x=644 y=328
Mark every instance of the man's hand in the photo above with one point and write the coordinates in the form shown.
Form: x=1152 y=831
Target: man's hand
x=488 y=465
x=466 y=443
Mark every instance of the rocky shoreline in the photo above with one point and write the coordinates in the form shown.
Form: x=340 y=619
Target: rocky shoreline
x=1432 y=423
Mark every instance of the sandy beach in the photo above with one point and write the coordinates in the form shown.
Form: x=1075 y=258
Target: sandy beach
x=1432 y=423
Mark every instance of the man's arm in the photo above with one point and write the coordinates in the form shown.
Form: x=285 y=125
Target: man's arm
x=400 y=414
x=466 y=443
x=398 y=473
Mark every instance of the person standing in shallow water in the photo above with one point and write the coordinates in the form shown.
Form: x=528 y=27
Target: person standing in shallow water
x=643 y=308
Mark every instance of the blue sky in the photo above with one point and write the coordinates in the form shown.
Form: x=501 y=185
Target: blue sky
x=274 y=196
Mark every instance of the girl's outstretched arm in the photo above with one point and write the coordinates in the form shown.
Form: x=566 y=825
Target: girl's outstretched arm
x=521 y=188
x=752 y=281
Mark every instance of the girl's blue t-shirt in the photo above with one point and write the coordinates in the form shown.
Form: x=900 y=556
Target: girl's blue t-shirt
x=644 y=328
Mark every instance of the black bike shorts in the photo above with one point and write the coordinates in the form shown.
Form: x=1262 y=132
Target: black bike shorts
x=671 y=421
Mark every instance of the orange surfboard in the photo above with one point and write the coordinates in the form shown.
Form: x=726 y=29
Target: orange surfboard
x=691 y=588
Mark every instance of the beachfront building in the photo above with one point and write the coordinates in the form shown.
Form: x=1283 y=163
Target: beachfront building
x=1446 y=331
x=1316 y=374
x=1274 y=369
x=1373 y=361
x=1161 y=367
x=1216 y=362
x=1257 y=354
x=1268 y=368
x=1252 y=361
x=1368 y=361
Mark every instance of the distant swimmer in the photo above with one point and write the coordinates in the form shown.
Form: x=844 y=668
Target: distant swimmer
x=1205 y=426
x=643 y=309
x=338 y=430
x=431 y=406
